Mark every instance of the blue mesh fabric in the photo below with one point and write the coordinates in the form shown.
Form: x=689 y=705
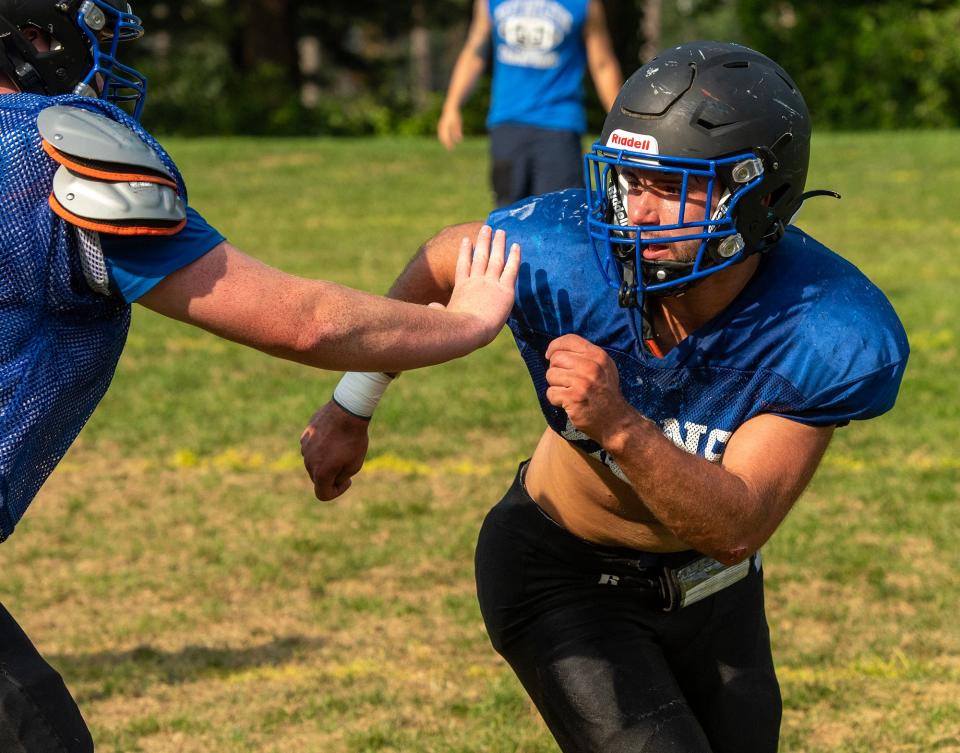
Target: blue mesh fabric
x=59 y=341
x=700 y=400
x=809 y=337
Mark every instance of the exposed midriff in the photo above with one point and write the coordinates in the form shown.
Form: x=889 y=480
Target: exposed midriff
x=585 y=497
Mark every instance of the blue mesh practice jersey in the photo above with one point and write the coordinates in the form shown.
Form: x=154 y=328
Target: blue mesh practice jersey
x=809 y=337
x=60 y=340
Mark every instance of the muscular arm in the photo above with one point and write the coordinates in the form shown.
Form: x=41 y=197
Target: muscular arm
x=466 y=71
x=601 y=60
x=334 y=444
x=726 y=510
x=315 y=322
x=429 y=275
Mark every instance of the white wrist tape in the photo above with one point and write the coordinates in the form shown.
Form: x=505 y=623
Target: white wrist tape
x=358 y=392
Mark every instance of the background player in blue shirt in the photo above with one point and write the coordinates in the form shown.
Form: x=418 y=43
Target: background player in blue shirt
x=94 y=217
x=693 y=353
x=540 y=49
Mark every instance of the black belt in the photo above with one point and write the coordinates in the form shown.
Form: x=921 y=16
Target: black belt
x=668 y=587
x=676 y=587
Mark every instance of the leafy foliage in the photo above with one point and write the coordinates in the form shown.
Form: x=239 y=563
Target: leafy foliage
x=865 y=64
x=218 y=67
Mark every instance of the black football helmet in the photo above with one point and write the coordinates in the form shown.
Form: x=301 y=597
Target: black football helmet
x=719 y=112
x=83 y=36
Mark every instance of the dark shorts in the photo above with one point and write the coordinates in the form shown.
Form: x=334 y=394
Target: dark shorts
x=37 y=713
x=527 y=161
x=610 y=671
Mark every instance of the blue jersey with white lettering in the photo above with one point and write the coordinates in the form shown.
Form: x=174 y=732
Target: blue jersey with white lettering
x=538 y=62
x=809 y=337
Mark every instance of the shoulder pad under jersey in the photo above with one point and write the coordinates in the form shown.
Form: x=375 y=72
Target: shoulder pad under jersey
x=93 y=144
x=121 y=208
x=109 y=180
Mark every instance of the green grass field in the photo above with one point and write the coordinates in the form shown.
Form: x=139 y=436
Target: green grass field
x=195 y=596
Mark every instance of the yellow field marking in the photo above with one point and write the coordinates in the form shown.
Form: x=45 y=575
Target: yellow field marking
x=917 y=461
x=475 y=671
x=184 y=459
x=239 y=459
x=235 y=459
x=844 y=462
x=266 y=673
x=355 y=669
x=390 y=462
x=897 y=667
x=289 y=461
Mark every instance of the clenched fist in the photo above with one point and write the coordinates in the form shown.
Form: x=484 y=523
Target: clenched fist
x=584 y=381
x=333 y=446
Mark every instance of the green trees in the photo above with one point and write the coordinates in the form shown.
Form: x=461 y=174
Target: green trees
x=864 y=64
x=357 y=67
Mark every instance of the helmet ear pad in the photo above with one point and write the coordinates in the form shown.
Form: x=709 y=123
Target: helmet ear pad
x=762 y=213
x=752 y=212
x=56 y=70
x=15 y=54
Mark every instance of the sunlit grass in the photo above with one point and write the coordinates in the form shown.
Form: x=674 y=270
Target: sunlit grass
x=196 y=598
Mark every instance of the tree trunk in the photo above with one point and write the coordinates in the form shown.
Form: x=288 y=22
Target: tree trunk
x=269 y=36
x=651 y=30
x=419 y=56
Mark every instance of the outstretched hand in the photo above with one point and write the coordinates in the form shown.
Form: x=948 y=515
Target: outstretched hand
x=485 y=280
x=334 y=446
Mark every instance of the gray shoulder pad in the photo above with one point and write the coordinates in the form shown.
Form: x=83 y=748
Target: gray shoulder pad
x=83 y=139
x=120 y=208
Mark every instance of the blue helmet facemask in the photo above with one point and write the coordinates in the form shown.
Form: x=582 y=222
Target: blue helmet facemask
x=619 y=246
x=106 y=26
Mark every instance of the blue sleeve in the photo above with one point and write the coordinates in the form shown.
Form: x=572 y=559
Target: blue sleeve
x=137 y=264
x=839 y=343
x=866 y=397
x=851 y=358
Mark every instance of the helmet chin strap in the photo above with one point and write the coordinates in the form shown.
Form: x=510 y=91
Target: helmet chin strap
x=627 y=295
x=794 y=210
x=14 y=60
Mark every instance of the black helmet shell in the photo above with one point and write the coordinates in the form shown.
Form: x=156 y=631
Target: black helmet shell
x=708 y=100
x=69 y=59
x=56 y=71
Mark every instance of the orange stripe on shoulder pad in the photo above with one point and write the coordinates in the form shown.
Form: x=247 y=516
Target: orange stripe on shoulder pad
x=116 y=176
x=101 y=227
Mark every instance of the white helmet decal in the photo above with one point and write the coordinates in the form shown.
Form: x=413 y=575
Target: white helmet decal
x=635 y=142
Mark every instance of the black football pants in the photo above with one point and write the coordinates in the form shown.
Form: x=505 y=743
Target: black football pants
x=37 y=712
x=583 y=627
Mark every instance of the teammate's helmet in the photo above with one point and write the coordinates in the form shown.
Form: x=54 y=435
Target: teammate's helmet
x=84 y=37
x=715 y=111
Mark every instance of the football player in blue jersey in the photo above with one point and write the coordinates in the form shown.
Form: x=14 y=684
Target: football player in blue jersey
x=95 y=216
x=540 y=50
x=693 y=352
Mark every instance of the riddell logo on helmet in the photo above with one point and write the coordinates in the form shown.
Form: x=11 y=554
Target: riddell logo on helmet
x=635 y=142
